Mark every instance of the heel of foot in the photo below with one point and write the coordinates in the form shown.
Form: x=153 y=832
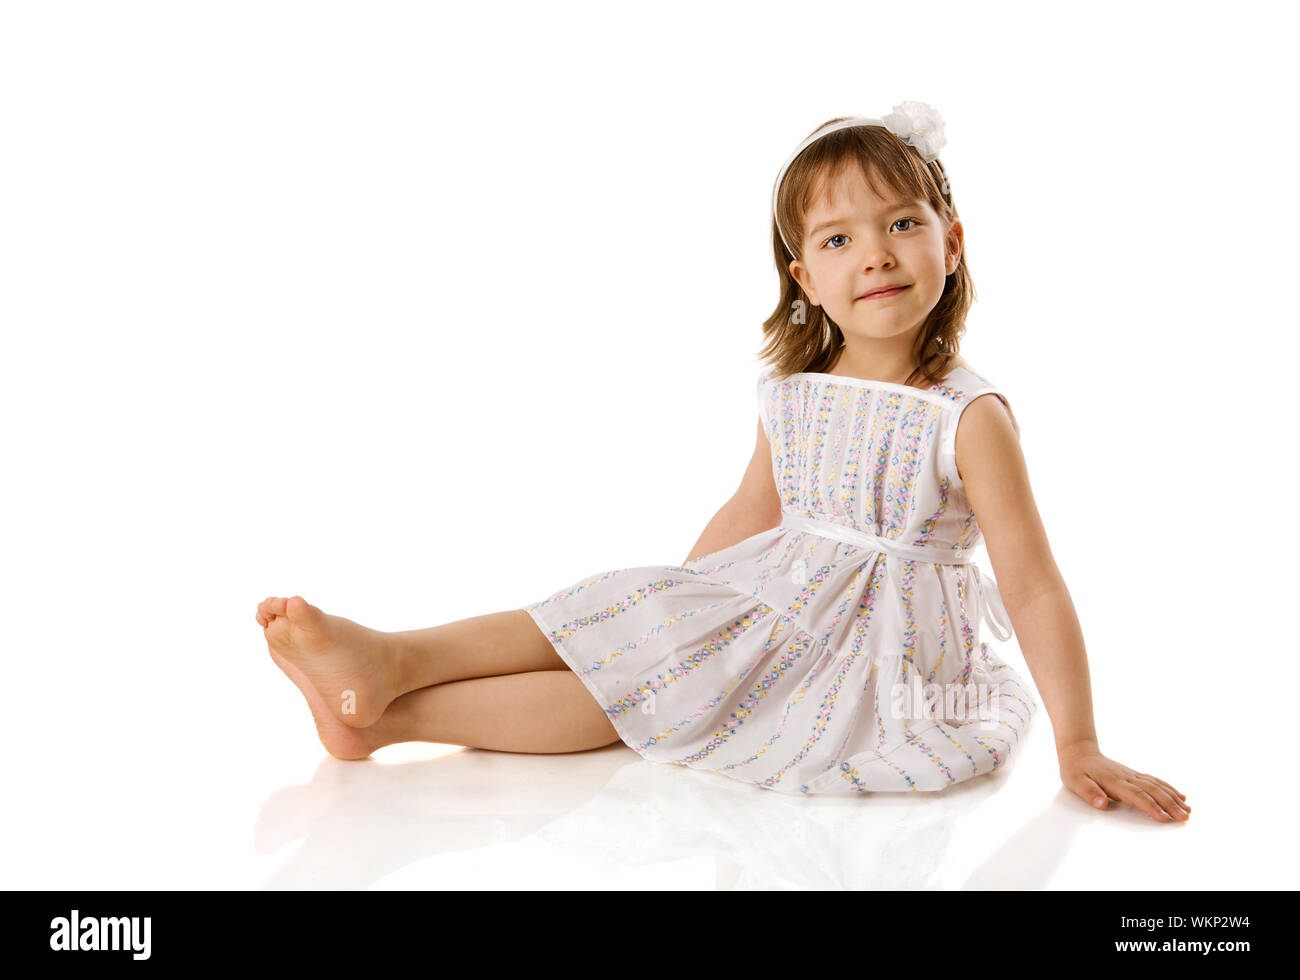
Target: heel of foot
x=347 y=708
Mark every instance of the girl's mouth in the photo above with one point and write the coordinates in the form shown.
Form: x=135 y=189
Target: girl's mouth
x=885 y=293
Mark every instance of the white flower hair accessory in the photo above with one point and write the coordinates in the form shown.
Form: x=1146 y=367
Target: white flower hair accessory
x=915 y=123
x=918 y=125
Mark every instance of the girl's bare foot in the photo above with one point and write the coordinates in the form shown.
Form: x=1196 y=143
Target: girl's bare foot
x=340 y=740
x=353 y=670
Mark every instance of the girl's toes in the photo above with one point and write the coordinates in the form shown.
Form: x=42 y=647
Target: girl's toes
x=303 y=613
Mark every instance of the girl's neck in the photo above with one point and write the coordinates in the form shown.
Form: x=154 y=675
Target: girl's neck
x=890 y=374
x=838 y=368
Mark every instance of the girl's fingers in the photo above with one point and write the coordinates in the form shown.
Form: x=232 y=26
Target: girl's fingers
x=1161 y=783
x=1152 y=796
x=1168 y=802
x=1181 y=797
x=1144 y=801
x=1094 y=794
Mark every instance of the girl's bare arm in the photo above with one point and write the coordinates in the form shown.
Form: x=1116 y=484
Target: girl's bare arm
x=992 y=468
x=754 y=507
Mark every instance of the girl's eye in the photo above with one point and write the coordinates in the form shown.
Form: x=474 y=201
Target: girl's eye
x=833 y=237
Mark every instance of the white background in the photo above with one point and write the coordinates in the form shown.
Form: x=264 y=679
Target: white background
x=423 y=311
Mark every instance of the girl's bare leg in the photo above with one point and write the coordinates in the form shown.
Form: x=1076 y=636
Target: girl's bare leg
x=360 y=671
x=533 y=711
x=481 y=646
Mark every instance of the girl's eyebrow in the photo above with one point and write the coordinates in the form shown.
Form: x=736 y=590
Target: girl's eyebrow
x=845 y=219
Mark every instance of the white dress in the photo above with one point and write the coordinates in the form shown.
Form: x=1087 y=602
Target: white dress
x=838 y=652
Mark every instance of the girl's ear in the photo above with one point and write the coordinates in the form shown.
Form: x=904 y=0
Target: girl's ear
x=954 y=238
x=801 y=276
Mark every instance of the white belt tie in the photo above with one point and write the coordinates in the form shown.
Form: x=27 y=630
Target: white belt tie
x=988 y=598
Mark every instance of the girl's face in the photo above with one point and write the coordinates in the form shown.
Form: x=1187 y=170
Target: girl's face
x=856 y=241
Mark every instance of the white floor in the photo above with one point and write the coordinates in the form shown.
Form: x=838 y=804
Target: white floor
x=116 y=791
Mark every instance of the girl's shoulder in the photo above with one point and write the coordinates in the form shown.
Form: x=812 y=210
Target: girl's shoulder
x=964 y=384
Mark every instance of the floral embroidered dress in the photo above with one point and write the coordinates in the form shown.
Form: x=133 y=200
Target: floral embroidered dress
x=838 y=652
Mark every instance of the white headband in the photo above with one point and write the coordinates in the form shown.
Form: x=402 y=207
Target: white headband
x=915 y=123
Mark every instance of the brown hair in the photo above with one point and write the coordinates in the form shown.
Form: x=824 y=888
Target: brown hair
x=793 y=346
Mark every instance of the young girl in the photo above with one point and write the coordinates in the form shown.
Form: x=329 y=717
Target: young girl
x=823 y=637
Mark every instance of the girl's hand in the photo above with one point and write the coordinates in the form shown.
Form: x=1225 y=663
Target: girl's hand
x=1093 y=777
